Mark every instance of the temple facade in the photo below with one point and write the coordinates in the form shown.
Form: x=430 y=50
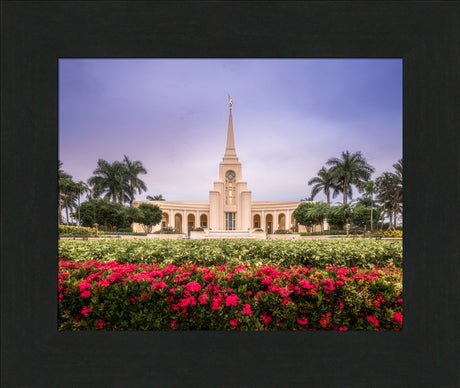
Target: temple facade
x=230 y=206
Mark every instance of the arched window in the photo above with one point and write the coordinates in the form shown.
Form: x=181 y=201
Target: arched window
x=230 y=198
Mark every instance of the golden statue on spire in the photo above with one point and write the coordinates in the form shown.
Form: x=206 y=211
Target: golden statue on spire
x=231 y=101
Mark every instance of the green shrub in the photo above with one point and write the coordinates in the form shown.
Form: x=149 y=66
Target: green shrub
x=65 y=229
x=125 y=230
x=113 y=296
x=283 y=231
x=363 y=253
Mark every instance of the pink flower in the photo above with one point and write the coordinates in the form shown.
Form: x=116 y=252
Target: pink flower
x=374 y=320
x=173 y=323
x=302 y=321
x=85 y=311
x=305 y=284
x=324 y=321
x=86 y=294
x=216 y=302
x=103 y=283
x=193 y=286
x=100 y=325
x=267 y=280
x=208 y=276
x=203 y=298
x=158 y=285
x=233 y=322
x=266 y=318
x=84 y=285
x=247 y=309
x=231 y=300
x=398 y=317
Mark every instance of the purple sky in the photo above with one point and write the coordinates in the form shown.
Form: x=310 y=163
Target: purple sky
x=289 y=117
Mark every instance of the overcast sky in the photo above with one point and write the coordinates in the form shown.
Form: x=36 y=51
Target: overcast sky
x=289 y=117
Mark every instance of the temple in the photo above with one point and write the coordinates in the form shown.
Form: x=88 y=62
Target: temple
x=230 y=209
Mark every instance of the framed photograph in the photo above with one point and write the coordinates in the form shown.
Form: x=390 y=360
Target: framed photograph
x=61 y=60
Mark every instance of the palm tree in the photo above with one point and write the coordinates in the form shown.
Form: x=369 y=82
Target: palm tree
x=323 y=182
x=351 y=169
x=398 y=204
x=110 y=179
x=67 y=195
x=133 y=169
x=369 y=191
x=61 y=175
x=80 y=188
x=388 y=194
x=155 y=198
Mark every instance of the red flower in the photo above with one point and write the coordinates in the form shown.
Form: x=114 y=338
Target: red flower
x=247 y=309
x=231 y=300
x=193 y=286
x=158 y=285
x=85 y=311
x=86 y=294
x=233 y=322
x=302 y=321
x=398 y=317
x=266 y=318
x=374 y=320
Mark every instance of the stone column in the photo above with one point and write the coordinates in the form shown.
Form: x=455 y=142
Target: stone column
x=262 y=221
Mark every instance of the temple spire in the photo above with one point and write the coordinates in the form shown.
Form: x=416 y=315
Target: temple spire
x=230 y=152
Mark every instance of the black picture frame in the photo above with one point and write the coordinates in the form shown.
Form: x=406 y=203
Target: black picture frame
x=36 y=34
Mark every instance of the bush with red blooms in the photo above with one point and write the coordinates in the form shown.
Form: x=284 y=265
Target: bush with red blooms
x=96 y=295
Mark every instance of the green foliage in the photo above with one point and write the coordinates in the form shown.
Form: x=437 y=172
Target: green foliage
x=65 y=229
x=166 y=230
x=362 y=253
x=361 y=216
x=149 y=216
x=103 y=212
x=94 y=296
x=283 y=231
x=303 y=215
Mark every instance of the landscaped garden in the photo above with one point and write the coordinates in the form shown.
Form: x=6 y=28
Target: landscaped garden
x=230 y=285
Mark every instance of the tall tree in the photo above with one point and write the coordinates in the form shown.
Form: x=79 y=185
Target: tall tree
x=110 y=179
x=133 y=169
x=351 y=169
x=155 y=198
x=324 y=182
x=388 y=194
x=61 y=176
x=79 y=189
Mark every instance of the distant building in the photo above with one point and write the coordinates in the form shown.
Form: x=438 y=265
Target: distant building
x=230 y=207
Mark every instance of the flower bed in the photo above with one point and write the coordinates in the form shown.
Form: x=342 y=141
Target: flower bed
x=363 y=253
x=96 y=295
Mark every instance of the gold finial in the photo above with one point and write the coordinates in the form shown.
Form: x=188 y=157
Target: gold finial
x=231 y=101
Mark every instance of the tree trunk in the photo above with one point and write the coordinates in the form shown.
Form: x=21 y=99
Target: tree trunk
x=59 y=209
x=345 y=194
x=66 y=213
x=328 y=195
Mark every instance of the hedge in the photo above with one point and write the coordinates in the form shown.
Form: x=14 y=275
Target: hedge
x=363 y=253
x=65 y=229
x=112 y=296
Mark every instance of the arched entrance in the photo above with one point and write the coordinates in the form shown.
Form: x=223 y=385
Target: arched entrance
x=178 y=223
x=204 y=221
x=256 y=222
x=281 y=221
x=165 y=220
x=190 y=222
x=269 y=223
